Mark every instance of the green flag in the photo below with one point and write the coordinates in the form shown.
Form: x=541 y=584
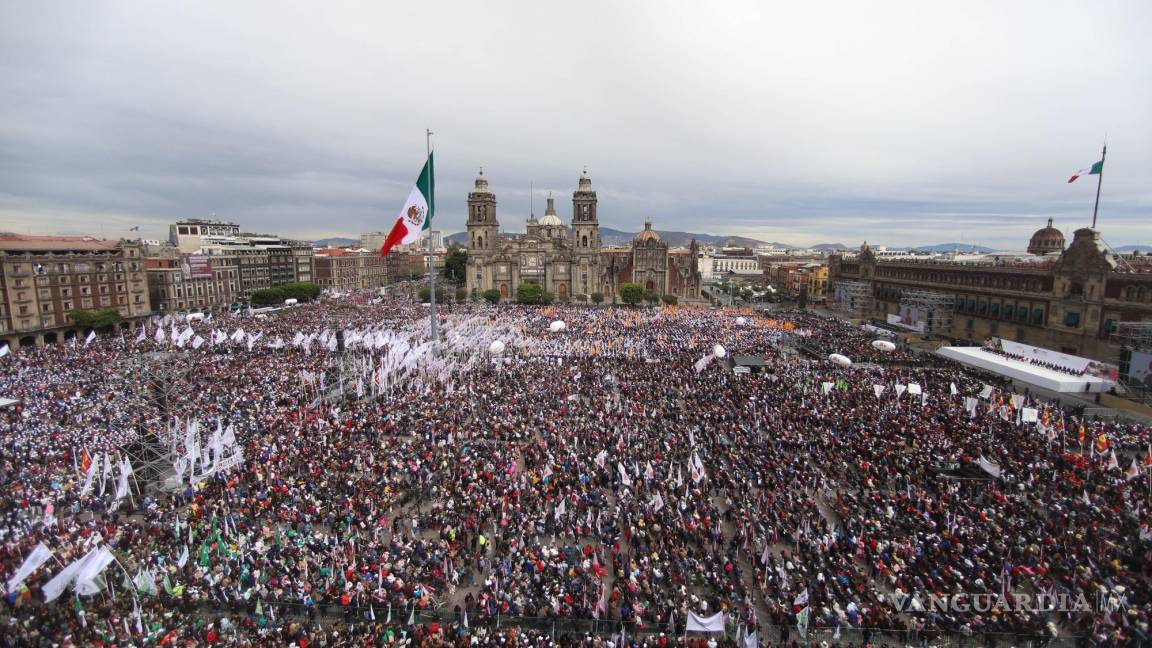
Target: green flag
x=204 y=559
x=802 y=622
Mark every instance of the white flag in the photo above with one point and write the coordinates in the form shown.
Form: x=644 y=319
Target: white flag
x=55 y=587
x=91 y=336
x=86 y=577
x=39 y=556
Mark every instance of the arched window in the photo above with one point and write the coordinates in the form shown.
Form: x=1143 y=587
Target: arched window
x=584 y=241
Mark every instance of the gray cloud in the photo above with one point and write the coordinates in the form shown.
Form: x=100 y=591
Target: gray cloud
x=903 y=122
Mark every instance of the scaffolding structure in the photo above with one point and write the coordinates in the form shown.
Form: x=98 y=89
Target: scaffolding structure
x=854 y=298
x=935 y=309
x=163 y=376
x=1136 y=336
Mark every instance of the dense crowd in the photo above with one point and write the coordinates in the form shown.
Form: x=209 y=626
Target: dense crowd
x=597 y=472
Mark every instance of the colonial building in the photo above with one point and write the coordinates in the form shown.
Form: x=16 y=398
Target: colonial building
x=186 y=282
x=345 y=270
x=1069 y=299
x=43 y=279
x=565 y=260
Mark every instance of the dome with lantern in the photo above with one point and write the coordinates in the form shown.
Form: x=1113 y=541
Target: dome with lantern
x=648 y=235
x=1047 y=240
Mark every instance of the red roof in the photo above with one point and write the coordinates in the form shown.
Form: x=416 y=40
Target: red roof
x=29 y=243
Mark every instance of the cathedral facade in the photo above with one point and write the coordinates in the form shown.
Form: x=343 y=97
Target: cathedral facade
x=568 y=260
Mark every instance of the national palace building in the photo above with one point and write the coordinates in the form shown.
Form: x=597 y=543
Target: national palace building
x=1072 y=299
x=569 y=260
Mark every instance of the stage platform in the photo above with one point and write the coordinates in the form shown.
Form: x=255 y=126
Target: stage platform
x=1026 y=373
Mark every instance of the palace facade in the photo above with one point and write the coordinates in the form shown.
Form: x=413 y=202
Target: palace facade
x=1067 y=299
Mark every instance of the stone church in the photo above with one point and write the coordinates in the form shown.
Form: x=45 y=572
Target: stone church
x=569 y=260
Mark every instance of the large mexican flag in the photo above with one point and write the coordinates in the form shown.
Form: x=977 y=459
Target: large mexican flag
x=1095 y=169
x=416 y=216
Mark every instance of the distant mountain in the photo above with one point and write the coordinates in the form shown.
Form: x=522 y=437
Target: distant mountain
x=830 y=246
x=1133 y=248
x=952 y=247
x=613 y=237
x=337 y=241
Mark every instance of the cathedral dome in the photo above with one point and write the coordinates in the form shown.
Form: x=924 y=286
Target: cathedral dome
x=648 y=234
x=550 y=218
x=1046 y=240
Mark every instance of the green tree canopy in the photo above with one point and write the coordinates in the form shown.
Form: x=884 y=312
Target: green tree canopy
x=455 y=263
x=671 y=300
x=631 y=293
x=597 y=297
x=268 y=297
x=529 y=293
x=492 y=296
x=425 y=294
x=96 y=319
x=300 y=291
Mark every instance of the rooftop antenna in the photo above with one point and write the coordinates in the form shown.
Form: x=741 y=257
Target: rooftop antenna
x=531 y=202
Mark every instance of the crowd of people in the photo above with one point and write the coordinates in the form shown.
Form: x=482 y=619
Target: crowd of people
x=391 y=493
x=1036 y=362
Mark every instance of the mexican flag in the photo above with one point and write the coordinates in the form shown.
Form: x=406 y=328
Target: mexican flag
x=1095 y=169
x=416 y=216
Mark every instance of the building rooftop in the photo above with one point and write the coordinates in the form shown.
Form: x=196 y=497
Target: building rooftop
x=30 y=243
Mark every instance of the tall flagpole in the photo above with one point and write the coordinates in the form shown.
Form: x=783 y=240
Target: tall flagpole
x=1099 y=181
x=431 y=250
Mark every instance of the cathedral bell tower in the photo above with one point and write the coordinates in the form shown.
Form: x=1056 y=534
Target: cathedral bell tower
x=483 y=230
x=585 y=237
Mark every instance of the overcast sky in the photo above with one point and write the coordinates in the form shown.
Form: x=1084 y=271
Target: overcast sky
x=800 y=122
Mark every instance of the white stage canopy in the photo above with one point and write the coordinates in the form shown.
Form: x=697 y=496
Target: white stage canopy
x=1024 y=372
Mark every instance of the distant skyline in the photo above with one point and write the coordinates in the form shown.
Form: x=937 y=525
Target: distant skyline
x=903 y=123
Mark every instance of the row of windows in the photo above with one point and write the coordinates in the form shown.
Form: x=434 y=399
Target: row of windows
x=1136 y=294
x=79 y=266
x=1005 y=282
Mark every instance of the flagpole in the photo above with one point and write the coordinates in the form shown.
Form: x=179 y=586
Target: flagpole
x=1099 y=181
x=432 y=251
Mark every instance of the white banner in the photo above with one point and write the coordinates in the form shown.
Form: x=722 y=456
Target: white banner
x=714 y=623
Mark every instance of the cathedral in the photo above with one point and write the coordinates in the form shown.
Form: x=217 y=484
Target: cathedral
x=569 y=260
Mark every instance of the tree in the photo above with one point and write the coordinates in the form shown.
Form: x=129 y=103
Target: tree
x=492 y=296
x=581 y=297
x=301 y=291
x=268 y=297
x=547 y=297
x=651 y=297
x=425 y=294
x=631 y=293
x=455 y=263
x=529 y=293
x=461 y=293
x=96 y=319
x=597 y=298
x=670 y=300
